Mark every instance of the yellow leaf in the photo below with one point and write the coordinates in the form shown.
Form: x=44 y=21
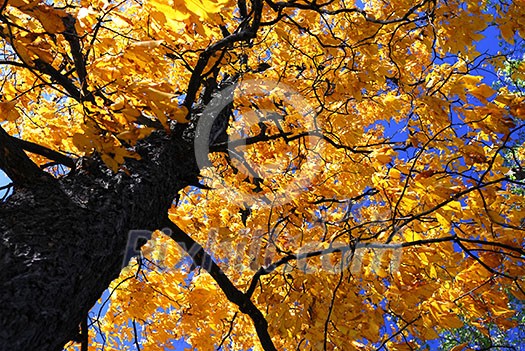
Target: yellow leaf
x=433 y=273
x=8 y=111
x=281 y=33
x=110 y=162
x=51 y=18
x=453 y=206
x=445 y=223
x=43 y=54
x=384 y=155
x=156 y=94
x=451 y=321
x=202 y=8
x=26 y=56
x=507 y=31
x=131 y=113
x=148 y=44
x=482 y=92
x=180 y=115
x=167 y=11
x=459 y=347
x=423 y=258
x=394 y=173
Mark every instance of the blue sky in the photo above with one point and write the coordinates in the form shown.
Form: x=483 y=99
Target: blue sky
x=3 y=181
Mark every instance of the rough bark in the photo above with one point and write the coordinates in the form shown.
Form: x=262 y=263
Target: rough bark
x=62 y=240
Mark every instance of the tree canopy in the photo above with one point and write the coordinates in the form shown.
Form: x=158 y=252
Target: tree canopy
x=327 y=174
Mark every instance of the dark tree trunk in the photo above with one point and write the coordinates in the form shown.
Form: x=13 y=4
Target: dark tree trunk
x=62 y=241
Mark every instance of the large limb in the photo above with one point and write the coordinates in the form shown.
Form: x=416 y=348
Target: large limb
x=16 y=164
x=203 y=259
x=46 y=152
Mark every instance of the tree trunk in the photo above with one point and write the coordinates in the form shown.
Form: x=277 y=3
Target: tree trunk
x=62 y=240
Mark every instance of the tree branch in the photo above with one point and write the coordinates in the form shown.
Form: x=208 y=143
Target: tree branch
x=287 y=136
x=343 y=249
x=65 y=82
x=44 y=151
x=16 y=164
x=203 y=259
x=70 y=34
x=244 y=34
x=84 y=334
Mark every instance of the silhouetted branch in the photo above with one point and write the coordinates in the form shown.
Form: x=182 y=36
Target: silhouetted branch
x=16 y=164
x=203 y=259
x=244 y=34
x=76 y=51
x=44 y=151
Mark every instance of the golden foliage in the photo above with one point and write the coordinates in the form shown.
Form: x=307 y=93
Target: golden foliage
x=397 y=142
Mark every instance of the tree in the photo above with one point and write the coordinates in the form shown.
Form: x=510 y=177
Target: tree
x=328 y=175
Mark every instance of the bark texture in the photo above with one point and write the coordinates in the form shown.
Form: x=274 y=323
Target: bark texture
x=62 y=240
